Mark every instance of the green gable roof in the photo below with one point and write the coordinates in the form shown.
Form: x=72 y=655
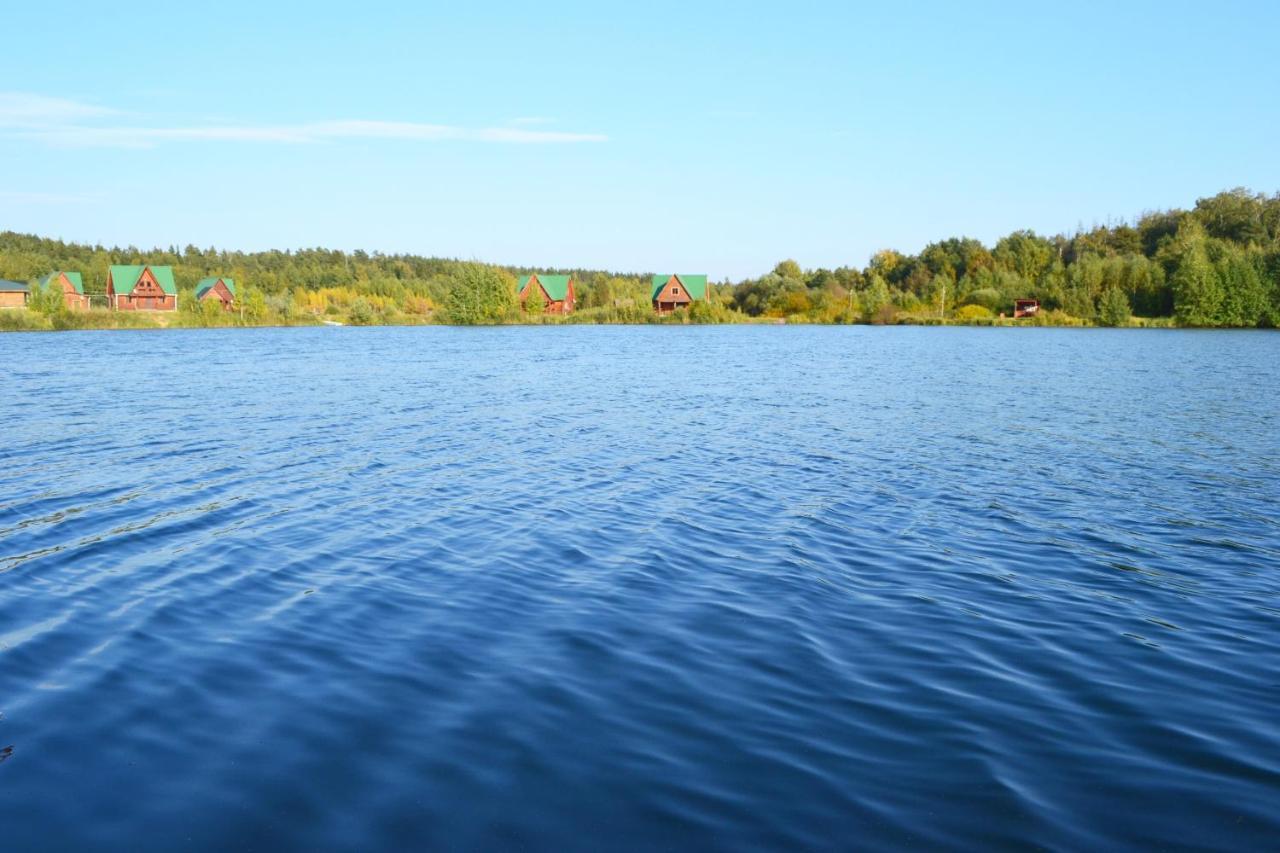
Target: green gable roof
x=73 y=277
x=207 y=283
x=124 y=277
x=696 y=285
x=556 y=286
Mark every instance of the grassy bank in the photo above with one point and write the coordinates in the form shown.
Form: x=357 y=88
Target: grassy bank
x=23 y=320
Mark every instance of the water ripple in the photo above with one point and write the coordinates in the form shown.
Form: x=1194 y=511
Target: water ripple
x=488 y=589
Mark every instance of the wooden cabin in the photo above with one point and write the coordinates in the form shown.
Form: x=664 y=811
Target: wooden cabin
x=1025 y=308
x=677 y=291
x=141 y=288
x=557 y=293
x=13 y=294
x=71 y=286
x=217 y=288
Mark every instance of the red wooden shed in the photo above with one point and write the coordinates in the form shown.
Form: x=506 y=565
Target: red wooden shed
x=1025 y=308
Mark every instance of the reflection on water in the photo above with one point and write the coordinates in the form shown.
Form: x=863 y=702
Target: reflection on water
x=681 y=587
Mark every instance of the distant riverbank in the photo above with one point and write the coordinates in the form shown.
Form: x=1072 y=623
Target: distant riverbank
x=22 y=320
x=1216 y=265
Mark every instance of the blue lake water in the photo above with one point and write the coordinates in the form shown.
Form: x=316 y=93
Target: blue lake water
x=690 y=588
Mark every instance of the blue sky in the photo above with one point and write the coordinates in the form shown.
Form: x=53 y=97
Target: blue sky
x=700 y=137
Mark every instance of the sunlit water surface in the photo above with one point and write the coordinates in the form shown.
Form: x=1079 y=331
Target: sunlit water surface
x=584 y=588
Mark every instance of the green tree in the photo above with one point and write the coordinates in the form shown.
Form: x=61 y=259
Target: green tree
x=282 y=305
x=956 y=257
x=1078 y=302
x=1244 y=295
x=534 y=305
x=1156 y=229
x=940 y=293
x=1236 y=215
x=876 y=298
x=1145 y=283
x=886 y=263
x=361 y=312
x=253 y=303
x=1113 y=308
x=789 y=269
x=1197 y=292
x=1025 y=253
x=211 y=312
x=989 y=298
x=1271 y=263
x=47 y=300
x=480 y=295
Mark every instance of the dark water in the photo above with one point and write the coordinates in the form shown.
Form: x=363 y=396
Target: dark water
x=694 y=588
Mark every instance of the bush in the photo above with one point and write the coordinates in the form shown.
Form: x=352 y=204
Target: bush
x=282 y=305
x=985 y=297
x=418 y=305
x=361 y=312
x=973 y=312
x=47 y=300
x=884 y=315
x=22 y=320
x=628 y=313
x=705 y=312
x=1055 y=318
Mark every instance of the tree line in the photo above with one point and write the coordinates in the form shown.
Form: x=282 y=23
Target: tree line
x=1217 y=264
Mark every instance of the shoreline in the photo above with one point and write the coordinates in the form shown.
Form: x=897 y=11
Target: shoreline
x=24 y=320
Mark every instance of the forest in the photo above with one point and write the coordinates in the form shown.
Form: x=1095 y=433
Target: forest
x=1214 y=265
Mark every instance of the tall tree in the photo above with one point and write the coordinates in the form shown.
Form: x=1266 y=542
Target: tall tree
x=1197 y=292
x=1113 y=308
x=481 y=295
x=1025 y=253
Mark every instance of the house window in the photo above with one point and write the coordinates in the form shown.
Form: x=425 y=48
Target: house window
x=675 y=291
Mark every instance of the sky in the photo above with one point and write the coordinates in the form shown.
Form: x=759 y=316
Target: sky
x=713 y=138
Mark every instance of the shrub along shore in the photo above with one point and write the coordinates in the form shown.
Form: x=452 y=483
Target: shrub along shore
x=1215 y=265
x=23 y=320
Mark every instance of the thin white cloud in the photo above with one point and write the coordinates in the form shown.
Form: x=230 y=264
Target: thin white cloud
x=68 y=123
x=148 y=137
x=19 y=109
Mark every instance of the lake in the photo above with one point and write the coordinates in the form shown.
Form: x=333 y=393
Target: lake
x=576 y=588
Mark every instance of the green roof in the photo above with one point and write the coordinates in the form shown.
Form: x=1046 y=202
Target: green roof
x=73 y=277
x=556 y=286
x=207 y=283
x=124 y=277
x=696 y=285
x=7 y=286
